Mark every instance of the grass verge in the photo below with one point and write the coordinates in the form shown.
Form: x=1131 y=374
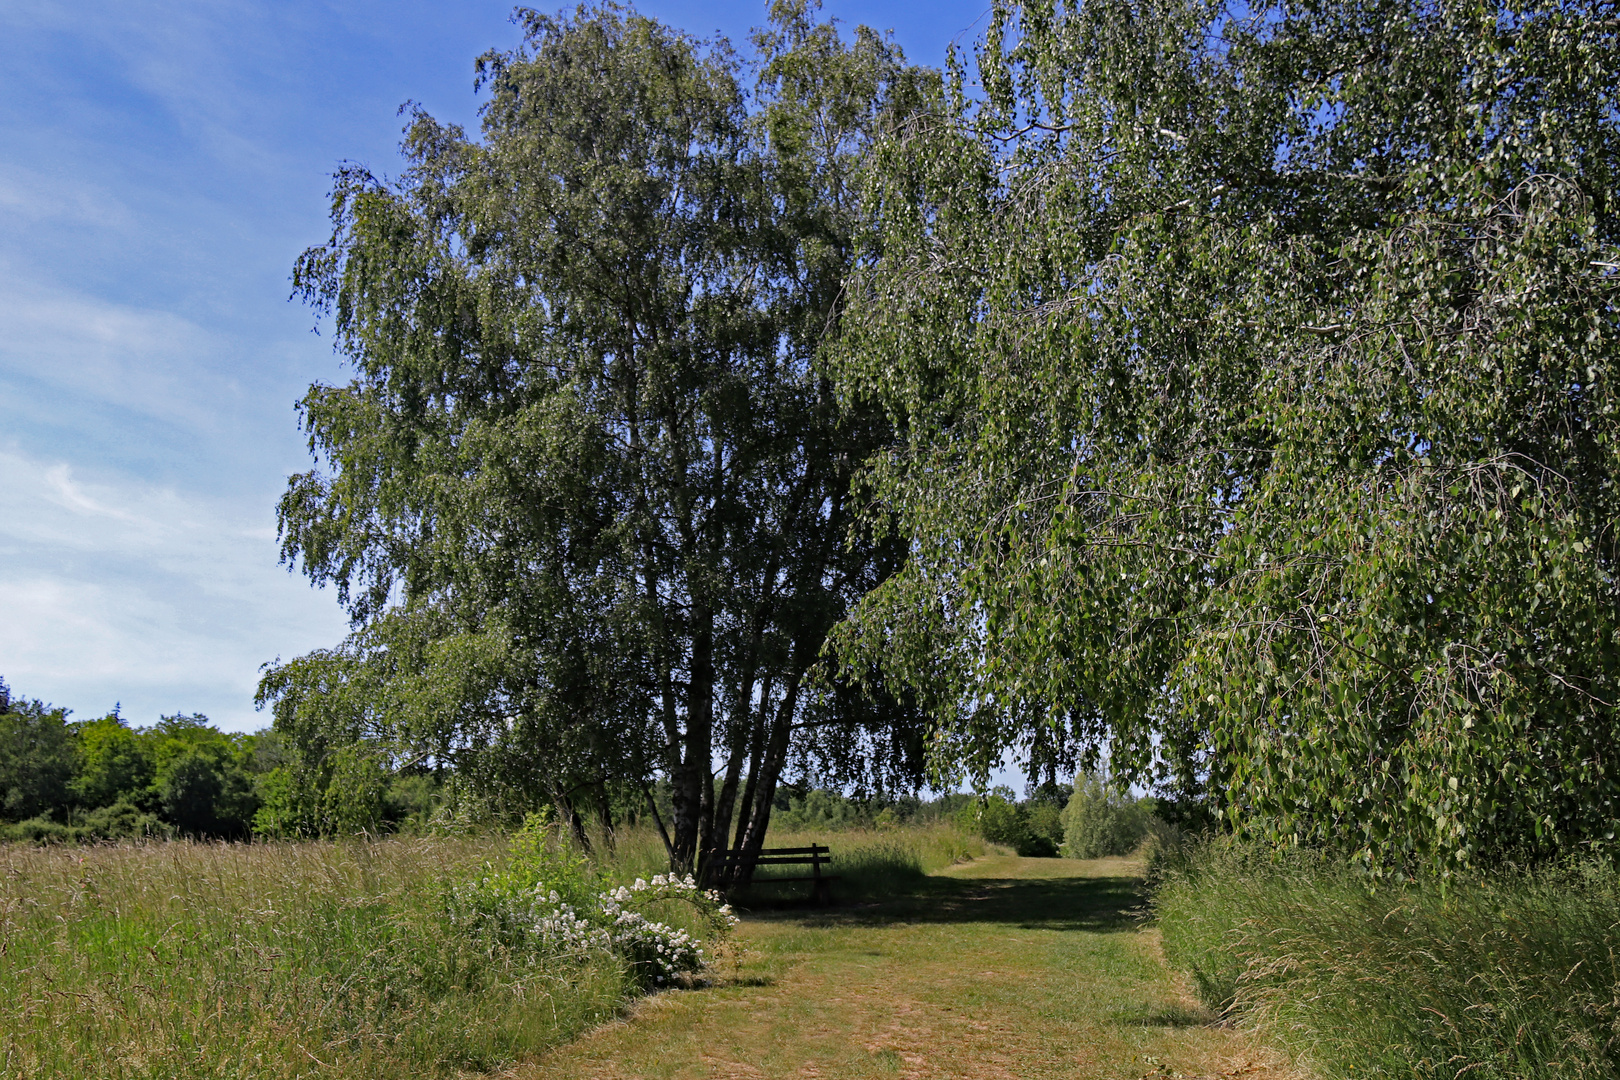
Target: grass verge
x=1508 y=976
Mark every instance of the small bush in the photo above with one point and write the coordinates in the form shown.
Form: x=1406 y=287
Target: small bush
x=120 y=821
x=1000 y=820
x=38 y=830
x=549 y=900
x=1100 y=821
x=123 y=821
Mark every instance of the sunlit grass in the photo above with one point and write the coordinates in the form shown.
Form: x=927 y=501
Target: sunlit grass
x=175 y=960
x=983 y=970
x=320 y=959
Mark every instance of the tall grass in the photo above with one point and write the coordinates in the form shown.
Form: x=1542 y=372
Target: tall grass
x=176 y=960
x=1514 y=975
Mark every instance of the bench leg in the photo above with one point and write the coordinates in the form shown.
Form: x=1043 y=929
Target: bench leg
x=823 y=892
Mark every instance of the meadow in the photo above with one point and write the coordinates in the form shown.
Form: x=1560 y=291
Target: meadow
x=395 y=956
x=178 y=959
x=359 y=958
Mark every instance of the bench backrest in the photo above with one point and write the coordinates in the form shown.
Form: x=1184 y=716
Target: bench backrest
x=812 y=856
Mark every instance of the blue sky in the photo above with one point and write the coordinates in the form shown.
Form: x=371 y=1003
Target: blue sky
x=161 y=165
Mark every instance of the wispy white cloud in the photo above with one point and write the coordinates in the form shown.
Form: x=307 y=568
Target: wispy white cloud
x=33 y=196
x=165 y=162
x=151 y=362
x=117 y=590
x=193 y=58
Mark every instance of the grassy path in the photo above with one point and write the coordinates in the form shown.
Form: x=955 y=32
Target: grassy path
x=1003 y=967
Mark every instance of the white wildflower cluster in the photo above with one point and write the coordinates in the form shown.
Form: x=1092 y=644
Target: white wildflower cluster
x=612 y=922
x=659 y=951
x=671 y=887
x=561 y=929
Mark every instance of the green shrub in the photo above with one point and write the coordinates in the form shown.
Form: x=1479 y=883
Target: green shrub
x=411 y=801
x=122 y=821
x=202 y=792
x=1000 y=820
x=821 y=809
x=1044 y=821
x=552 y=903
x=1100 y=821
x=39 y=829
x=356 y=792
x=1508 y=976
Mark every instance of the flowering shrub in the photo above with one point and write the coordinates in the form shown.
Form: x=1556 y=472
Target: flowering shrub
x=548 y=903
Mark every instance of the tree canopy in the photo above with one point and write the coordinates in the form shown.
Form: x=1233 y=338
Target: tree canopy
x=587 y=494
x=1254 y=369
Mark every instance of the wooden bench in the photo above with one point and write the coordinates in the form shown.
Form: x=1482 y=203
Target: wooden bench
x=814 y=856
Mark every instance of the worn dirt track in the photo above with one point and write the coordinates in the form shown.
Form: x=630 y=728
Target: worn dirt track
x=1000 y=968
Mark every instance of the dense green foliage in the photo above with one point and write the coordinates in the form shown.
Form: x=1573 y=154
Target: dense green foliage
x=1100 y=820
x=1033 y=828
x=1256 y=372
x=1509 y=977
x=586 y=495
x=37 y=760
x=62 y=779
x=1235 y=387
x=801 y=807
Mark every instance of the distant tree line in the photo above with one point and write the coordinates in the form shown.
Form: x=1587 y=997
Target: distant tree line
x=1091 y=818
x=64 y=779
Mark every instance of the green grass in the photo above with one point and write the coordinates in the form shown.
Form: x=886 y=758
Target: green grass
x=1513 y=975
x=995 y=968
x=176 y=960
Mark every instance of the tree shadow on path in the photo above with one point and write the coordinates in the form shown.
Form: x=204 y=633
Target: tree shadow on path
x=1094 y=904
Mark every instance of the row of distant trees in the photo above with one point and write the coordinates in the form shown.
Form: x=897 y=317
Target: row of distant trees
x=104 y=778
x=64 y=779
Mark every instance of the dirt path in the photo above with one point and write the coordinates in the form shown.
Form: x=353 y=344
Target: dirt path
x=1004 y=968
